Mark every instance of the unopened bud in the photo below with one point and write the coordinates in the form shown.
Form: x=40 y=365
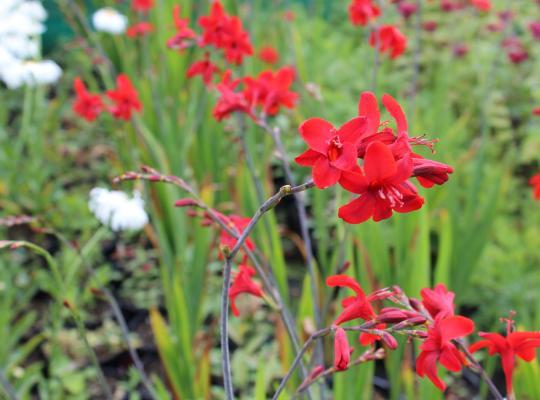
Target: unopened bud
x=416 y=304
x=344 y=267
x=389 y=341
x=187 y=202
x=392 y=315
x=225 y=250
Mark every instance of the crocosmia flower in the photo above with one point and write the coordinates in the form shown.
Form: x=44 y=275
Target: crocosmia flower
x=331 y=151
x=354 y=307
x=230 y=101
x=271 y=91
x=388 y=38
x=140 y=29
x=515 y=344
x=142 y=5
x=342 y=350
x=243 y=283
x=184 y=36
x=407 y=9
x=438 y=301
x=363 y=11
x=205 y=68
x=269 y=55
x=87 y=105
x=535 y=183
x=481 y=5
x=125 y=98
x=438 y=348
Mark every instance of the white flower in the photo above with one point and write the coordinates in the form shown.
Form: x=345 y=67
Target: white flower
x=32 y=73
x=117 y=210
x=109 y=20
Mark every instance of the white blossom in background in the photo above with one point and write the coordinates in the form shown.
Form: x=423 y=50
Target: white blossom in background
x=110 y=21
x=21 y=25
x=117 y=210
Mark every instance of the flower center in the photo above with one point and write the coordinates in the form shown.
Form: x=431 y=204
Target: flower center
x=391 y=194
x=335 y=148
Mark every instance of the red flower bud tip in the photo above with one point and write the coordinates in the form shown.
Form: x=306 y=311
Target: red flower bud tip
x=392 y=315
x=344 y=267
x=187 y=202
x=389 y=341
x=416 y=304
x=417 y=320
x=314 y=373
x=342 y=350
x=154 y=178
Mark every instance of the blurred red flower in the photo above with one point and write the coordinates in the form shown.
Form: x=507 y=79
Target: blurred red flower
x=243 y=283
x=481 y=5
x=534 y=27
x=203 y=67
x=388 y=38
x=87 y=105
x=229 y=100
x=438 y=348
x=407 y=9
x=268 y=55
x=125 y=98
x=139 y=29
x=142 y=5
x=535 y=183
x=520 y=344
x=271 y=91
x=184 y=36
x=342 y=350
x=363 y=11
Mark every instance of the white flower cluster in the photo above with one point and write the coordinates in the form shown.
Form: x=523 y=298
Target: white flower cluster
x=21 y=25
x=110 y=21
x=117 y=210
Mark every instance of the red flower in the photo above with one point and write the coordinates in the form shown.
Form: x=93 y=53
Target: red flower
x=460 y=50
x=388 y=38
x=225 y=32
x=87 y=105
x=437 y=347
x=439 y=301
x=238 y=223
x=142 y=5
x=269 y=55
x=481 y=5
x=534 y=27
x=354 y=307
x=515 y=50
x=230 y=101
x=331 y=151
x=140 y=29
x=243 y=284
x=521 y=344
x=407 y=9
x=363 y=11
x=536 y=111
x=184 y=36
x=535 y=183
x=382 y=185
x=342 y=350
x=271 y=90
x=205 y=68
x=289 y=16
x=125 y=98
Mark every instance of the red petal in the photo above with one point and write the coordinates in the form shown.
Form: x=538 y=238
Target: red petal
x=382 y=210
x=379 y=163
x=316 y=133
x=354 y=181
x=455 y=327
x=347 y=301
x=345 y=281
x=348 y=159
x=308 y=158
x=527 y=351
x=395 y=111
x=358 y=210
x=324 y=175
x=450 y=359
x=479 y=345
x=426 y=364
x=369 y=108
x=352 y=130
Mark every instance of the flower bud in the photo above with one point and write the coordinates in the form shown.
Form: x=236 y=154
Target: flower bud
x=389 y=340
x=392 y=315
x=187 y=202
x=416 y=304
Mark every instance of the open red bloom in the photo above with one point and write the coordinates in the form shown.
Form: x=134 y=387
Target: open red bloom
x=363 y=11
x=481 y=5
x=184 y=36
x=271 y=91
x=230 y=101
x=140 y=29
x=342 y=350
x=535 y=183
x=354 y=307
x=268 y=55
x=87 y=105
x=383 y=187
x=438 y=348
x=520 y=344
x=225 y=32
x=125 y=98
x=331 y=152
x=243 y=283
x=205 y=68
x=142 y=5
x=388 y=38
x=439 y=301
